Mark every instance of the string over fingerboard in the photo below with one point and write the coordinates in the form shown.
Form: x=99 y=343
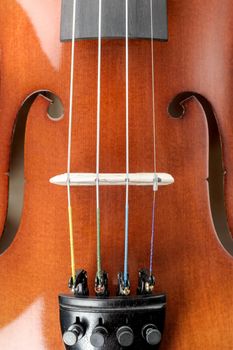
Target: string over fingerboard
x=113 y=14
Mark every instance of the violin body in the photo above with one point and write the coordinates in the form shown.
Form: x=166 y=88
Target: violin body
x=191 y=265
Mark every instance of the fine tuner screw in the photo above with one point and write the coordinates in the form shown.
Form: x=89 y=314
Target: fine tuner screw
x=73 y=334
x=125 y=336
x=151 y=334
x=98 y=336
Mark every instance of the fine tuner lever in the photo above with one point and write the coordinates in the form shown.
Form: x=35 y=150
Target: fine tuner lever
x=79 y=287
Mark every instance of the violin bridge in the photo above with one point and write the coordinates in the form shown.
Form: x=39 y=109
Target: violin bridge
x=114 y=179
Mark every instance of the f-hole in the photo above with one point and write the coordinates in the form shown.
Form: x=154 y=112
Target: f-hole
x=16 y=164
x=217 y=173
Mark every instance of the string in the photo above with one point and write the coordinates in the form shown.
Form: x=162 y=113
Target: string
x=70 y=144
x=98 y=145
x=152 y=235
x=127 y=146
x=154 y=138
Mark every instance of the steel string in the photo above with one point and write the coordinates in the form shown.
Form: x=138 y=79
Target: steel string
x=127 y=144
x=99 y=269
x=70 y=144
x=154 y=138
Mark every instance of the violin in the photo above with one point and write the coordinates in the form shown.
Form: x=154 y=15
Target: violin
x=116 y=182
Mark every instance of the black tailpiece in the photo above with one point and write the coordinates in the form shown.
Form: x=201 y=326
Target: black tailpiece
x=110 y=323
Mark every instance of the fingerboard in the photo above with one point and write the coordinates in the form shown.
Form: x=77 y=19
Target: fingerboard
x=113 y=19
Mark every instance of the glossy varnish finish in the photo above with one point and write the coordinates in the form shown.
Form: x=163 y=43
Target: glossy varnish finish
x=191 y=266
